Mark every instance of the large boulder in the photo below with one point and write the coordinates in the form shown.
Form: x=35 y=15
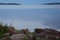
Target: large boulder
x=17 y=37
x=4 y=38
x=38 y=30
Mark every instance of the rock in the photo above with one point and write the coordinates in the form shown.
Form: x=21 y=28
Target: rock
x=4 y=38
x=17 y=37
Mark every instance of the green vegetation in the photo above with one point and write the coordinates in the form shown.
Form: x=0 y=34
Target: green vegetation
x=3 y=29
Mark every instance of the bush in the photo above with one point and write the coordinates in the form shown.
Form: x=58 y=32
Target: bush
x=1 y=35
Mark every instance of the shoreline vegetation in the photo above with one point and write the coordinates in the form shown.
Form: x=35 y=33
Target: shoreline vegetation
x=9 y=4
x=10 y=33
x=51 y=3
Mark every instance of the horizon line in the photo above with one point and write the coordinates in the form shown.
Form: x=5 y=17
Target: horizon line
x=28 y=6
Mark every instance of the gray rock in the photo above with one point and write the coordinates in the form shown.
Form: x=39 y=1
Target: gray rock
x=17 y=37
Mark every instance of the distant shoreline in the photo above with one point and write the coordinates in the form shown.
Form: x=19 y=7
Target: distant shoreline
x=9 y=4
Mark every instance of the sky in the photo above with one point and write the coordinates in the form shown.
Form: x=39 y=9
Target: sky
x=29 y=16
x=29 y=2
